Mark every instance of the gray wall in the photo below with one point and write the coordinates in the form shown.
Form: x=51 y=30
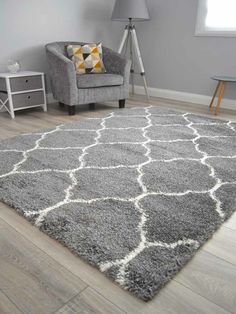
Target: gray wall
x=175 y=59
x=27 y=25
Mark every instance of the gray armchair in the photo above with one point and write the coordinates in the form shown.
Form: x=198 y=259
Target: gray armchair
x=72 y=89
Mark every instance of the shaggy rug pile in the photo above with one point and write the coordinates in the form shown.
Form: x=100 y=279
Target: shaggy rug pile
x=135 y=193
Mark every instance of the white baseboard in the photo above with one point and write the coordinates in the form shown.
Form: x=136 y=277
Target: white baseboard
x=173 y=95
x=182 y=96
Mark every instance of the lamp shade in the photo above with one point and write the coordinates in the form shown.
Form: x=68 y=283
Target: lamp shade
x=130 y=9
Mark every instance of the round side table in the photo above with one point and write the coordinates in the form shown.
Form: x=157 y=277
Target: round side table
x=220 y=89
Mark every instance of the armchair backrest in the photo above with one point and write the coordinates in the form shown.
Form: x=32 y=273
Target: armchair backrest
x=113 y=61
x=60 y=47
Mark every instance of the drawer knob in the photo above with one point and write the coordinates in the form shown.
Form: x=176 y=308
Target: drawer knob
x=28 y=97
x=26 y=81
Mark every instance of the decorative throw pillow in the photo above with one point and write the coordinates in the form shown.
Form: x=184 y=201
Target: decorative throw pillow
x=87 y=58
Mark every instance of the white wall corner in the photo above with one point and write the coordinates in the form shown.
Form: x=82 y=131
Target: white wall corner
x=182 y=96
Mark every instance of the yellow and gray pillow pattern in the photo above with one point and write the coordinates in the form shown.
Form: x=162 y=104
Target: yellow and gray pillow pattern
x=87 y=58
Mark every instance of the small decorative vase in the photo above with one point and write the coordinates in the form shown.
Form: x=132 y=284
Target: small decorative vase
x=13 y=66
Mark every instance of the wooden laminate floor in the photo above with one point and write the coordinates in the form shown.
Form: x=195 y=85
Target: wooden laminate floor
x=38 y=275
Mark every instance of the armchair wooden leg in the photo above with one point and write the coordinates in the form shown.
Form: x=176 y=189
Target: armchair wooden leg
x=92 y=106
x=61 y=104
x=71 y=110
x=122 y=103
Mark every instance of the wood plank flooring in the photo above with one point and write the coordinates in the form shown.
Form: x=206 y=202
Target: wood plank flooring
x=34 y=281
x=38 y=275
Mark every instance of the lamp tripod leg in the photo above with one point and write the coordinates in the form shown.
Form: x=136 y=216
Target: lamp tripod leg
x=132 y=62
x=127 y=39
x=139 y=58
x=145 y=86
x=123 y=40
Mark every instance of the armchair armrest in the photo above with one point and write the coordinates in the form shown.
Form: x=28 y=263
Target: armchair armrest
x=63 y=76
x=116 y=63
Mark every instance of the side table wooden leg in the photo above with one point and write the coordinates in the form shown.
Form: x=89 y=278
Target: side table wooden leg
x=221 y=94
x=215 y=93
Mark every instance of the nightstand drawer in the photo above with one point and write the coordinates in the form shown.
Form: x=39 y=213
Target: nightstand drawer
x=28 y=99
x=25 y=83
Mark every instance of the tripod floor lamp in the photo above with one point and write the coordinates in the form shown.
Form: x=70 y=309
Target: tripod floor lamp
x=130 y=11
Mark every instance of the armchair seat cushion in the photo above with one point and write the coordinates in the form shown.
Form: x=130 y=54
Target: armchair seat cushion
x=99 y=80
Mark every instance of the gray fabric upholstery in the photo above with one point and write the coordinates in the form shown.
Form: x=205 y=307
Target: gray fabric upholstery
x=64 y=79
x=99 y=80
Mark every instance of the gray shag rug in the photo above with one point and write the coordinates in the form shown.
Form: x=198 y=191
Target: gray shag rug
x=135 y=193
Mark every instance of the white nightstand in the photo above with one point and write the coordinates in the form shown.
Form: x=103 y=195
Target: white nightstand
x=21 y=91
